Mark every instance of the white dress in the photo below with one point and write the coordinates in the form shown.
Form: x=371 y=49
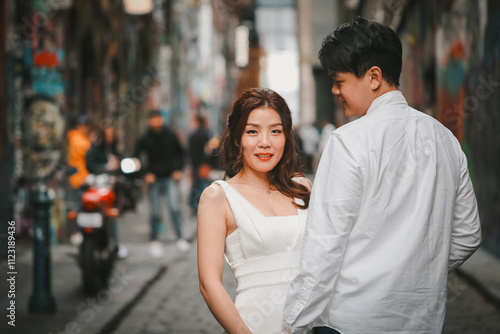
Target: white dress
x=264 y=255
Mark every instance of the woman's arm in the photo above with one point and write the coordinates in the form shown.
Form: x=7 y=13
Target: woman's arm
x=212 y=229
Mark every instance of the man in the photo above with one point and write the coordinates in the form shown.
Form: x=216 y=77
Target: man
x=163 y=172
x=392 y=208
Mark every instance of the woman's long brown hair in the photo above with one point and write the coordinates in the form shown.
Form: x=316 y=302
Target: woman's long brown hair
x=288 y=167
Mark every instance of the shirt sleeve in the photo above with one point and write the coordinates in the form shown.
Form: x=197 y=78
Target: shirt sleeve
x=333 y=211
x=466 y=229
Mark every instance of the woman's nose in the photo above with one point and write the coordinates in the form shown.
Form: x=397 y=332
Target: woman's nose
x=264 y=140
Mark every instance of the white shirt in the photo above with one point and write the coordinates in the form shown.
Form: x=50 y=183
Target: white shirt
x=392 y=210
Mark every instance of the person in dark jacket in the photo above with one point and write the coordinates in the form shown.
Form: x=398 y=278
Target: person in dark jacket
x=163 y=166
x=103 y=156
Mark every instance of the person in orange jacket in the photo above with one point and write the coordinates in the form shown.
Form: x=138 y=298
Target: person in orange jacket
x=78 y=145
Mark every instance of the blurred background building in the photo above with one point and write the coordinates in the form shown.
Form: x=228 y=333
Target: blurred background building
x=113 y=60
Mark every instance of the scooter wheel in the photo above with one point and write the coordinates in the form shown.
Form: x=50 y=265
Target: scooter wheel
x=93 y=282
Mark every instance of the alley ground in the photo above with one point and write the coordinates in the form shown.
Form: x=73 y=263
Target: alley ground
x=173 y=304
x=162 y=295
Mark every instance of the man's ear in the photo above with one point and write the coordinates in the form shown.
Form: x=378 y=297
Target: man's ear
x=375 y=77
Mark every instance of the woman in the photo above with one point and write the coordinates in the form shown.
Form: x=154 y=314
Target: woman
x=256 y=218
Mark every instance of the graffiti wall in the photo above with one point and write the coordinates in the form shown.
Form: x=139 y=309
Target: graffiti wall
x=452 y=71
x=35 y=45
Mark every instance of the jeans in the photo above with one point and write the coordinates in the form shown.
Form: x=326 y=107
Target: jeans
x=169 y=188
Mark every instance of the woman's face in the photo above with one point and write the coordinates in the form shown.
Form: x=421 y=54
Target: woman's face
x=263 y=140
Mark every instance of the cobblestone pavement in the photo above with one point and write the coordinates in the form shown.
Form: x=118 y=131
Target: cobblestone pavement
x=174 y=305
x=468 y=312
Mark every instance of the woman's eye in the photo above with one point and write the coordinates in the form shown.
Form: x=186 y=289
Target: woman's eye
x=251 y=132
x=277 y=131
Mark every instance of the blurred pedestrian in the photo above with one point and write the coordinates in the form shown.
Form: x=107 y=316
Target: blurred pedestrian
x=103 y=157
x=78 y=145
x=326 y=131
x=256 y=218
x=199 y=156
x=163 y=167
x=309 y=137
x=392 y=208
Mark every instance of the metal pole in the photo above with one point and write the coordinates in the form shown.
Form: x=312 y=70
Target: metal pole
x=42 y=300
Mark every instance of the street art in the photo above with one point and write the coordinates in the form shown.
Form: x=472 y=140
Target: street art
x=452 y=51
x=47 y=66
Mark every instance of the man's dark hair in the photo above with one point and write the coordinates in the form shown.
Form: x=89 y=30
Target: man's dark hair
x=358 y=45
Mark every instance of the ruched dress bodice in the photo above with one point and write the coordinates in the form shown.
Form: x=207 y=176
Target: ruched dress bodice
x=264 y=255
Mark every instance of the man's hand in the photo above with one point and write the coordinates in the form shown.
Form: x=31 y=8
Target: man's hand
x=177 y=175
x=150 y=178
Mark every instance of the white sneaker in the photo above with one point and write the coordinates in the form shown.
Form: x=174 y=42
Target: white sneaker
x=183 y=245
x=76 y=239
x=156 y=249
x=122 y=251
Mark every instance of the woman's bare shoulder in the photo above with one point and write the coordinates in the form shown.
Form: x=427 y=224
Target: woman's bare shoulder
x=213 y=194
